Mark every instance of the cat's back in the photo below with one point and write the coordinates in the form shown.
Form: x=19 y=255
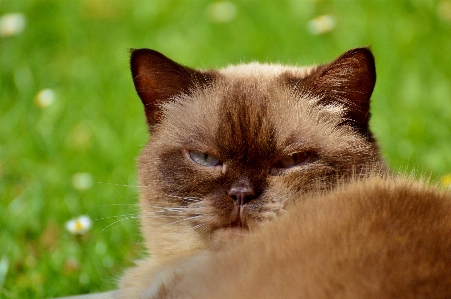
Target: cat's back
x=383 y=238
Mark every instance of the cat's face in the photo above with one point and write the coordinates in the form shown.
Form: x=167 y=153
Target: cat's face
x=231 y=149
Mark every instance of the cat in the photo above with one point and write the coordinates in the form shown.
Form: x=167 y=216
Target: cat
x=377 y=238
x=232 y=149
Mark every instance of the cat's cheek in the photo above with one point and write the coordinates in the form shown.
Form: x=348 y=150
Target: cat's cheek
x=284 y=190
x=212 y=173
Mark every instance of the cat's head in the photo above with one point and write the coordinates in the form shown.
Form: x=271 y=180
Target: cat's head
x=231 y=148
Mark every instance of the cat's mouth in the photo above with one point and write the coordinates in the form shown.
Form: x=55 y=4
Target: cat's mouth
x=238 y=218
x=235 y=230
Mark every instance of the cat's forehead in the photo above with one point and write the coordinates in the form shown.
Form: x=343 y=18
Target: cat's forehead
x=257 y=71
x=248 y=106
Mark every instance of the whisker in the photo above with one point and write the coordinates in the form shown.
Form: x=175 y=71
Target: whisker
x=117 y=216
x=149 y=215
x=119 y=204
x=110 y=226
x=164 y=208
x=156 y=209
x=119 y=220
x=198 y=226
x=138 y=205
x=185 y=219
x=120 y=185
x=176 y=210
x=186 y=198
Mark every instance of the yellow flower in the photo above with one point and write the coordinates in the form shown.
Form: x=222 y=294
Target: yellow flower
x=446 y=180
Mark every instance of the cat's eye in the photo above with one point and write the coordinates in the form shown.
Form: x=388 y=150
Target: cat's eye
x=204 y=159
x=290 y=161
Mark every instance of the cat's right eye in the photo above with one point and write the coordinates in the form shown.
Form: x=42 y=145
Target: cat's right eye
x=291 y=161
x=204 y=159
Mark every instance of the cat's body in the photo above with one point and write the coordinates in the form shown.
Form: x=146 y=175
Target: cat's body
x=232 y=149
x=378 y=238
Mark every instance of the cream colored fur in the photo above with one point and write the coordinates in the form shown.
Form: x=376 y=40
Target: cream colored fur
x=377 y=238
x=249 y=117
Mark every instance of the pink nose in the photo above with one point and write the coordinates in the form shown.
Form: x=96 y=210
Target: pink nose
x=242 y=192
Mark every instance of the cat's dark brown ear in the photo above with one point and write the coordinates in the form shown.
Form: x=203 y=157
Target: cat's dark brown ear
x=348 y=81
x=158 y=79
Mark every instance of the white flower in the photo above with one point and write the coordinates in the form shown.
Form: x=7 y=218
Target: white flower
x=222 y=11
x=12 y=24
x=321 y=24
x=80 y=225
x=4 y=266
x=82 y=181
x=45 y=98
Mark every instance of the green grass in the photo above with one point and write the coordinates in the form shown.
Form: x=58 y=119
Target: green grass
x=79 y=49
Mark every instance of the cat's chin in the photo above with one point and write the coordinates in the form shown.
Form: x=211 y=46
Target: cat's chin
x=228 y=235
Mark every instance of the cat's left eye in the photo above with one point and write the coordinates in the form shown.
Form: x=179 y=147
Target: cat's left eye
x=204 y=159
x=290 y=161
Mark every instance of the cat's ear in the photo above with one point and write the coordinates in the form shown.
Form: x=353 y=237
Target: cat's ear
x=347 y=81
x=159 y=79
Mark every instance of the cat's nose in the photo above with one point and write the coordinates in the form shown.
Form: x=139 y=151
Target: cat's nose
x=242 y=192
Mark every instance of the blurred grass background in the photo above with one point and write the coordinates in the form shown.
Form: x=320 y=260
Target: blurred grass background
x=71 y=125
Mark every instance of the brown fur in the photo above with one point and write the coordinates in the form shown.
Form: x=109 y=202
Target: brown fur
x=250 y=117
x=381 y=238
